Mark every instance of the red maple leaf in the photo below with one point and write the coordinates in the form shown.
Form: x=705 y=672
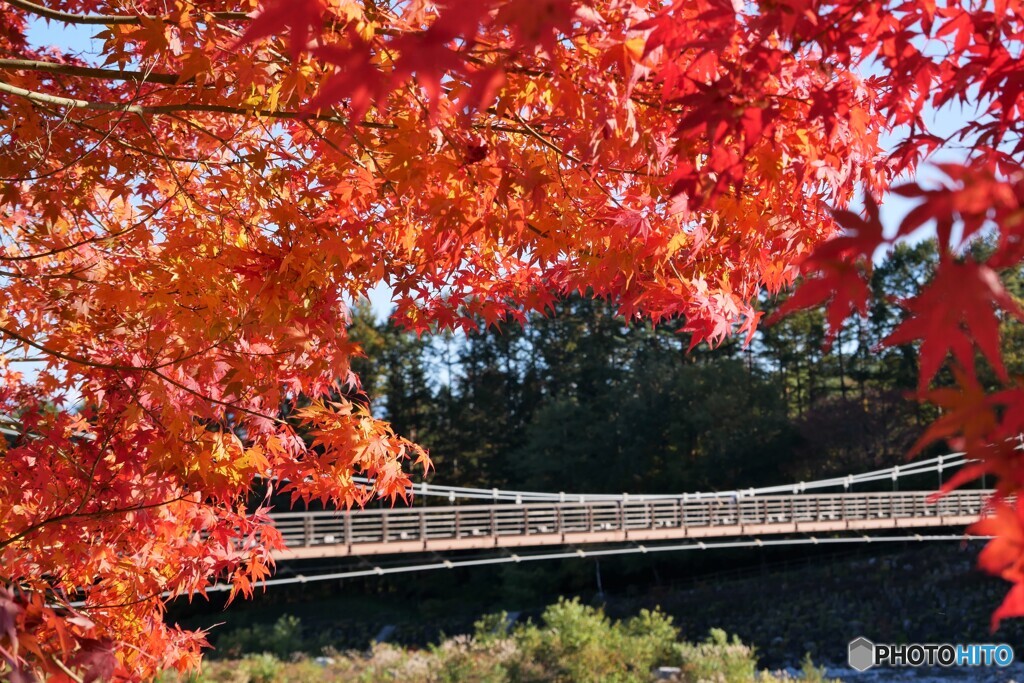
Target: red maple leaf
x=840 y=265
x=1012 y=605
x=356 y=78
x=840 y=284
x=96 y=657
x=1004 y=554
x=955 y=313
x=303 y=18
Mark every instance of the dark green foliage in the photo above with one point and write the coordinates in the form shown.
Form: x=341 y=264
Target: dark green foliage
x=280 y=639
x=581 y=400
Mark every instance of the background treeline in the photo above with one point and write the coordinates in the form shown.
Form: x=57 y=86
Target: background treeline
x=579 y=400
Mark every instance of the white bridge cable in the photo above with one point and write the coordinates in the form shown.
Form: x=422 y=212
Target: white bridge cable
x=936 y=464
x=583 y=554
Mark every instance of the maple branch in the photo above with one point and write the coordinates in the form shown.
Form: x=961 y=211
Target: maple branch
x=85 y=515
x=194 y=107
x=154 y=369
x=173 y=79
x=71 y=275
x=91 y=72
x=543 y=139
x=67 y=672
x=80 y=157
x=571 y=157
x=217 y=401
x=141 y=150
x=89 y=240
x=108 y=19
x=116 y=367
x=63 y=356
x=124 y=603
x=92 y=471
x=170 y=166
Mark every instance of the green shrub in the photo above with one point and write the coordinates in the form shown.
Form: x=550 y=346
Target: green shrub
x=282 y=639
x=652 y=638
x=580 y=644
x=717 y=660
x=262 y=668
x=464 y=659
x=575 y=644
x=387 y=662
x=813 y=674
x=490 y=627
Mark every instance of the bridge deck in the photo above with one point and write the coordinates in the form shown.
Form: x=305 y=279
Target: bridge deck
x=432 y=529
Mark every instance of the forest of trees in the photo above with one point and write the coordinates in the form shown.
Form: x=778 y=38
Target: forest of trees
x=580 y=401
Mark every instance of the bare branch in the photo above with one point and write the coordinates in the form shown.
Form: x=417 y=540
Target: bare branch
x=90 y=72
x=86 y=515
x=108 y=19
x=194 y=107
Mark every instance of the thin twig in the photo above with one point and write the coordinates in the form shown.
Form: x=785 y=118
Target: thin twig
x=91 y=72
x=195 y=107
x=109 y=19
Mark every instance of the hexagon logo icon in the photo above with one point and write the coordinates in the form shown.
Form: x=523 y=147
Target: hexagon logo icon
x=862 y=654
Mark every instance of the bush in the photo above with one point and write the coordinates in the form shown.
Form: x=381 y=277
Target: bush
x=262 y=668
x=813 y=674
x=573 y=643
x=579 y=643
x=282 y=639
x=173 y=676
x=490 y=627
x=463 y=659
x=717 y=660
x=653 y=637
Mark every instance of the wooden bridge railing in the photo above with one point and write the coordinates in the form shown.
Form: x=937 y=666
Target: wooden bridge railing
x=398 y=530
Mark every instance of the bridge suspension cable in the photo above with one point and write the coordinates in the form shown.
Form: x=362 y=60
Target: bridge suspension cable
x=936 y=464
x=583 y=554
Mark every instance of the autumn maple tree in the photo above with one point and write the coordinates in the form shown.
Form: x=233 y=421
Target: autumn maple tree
x=184 y=215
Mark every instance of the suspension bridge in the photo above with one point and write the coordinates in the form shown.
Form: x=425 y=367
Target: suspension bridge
x=436 y=529
x=522 y=519
x=568 y=526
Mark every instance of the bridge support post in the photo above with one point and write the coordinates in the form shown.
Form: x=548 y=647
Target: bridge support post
x=347 y=530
